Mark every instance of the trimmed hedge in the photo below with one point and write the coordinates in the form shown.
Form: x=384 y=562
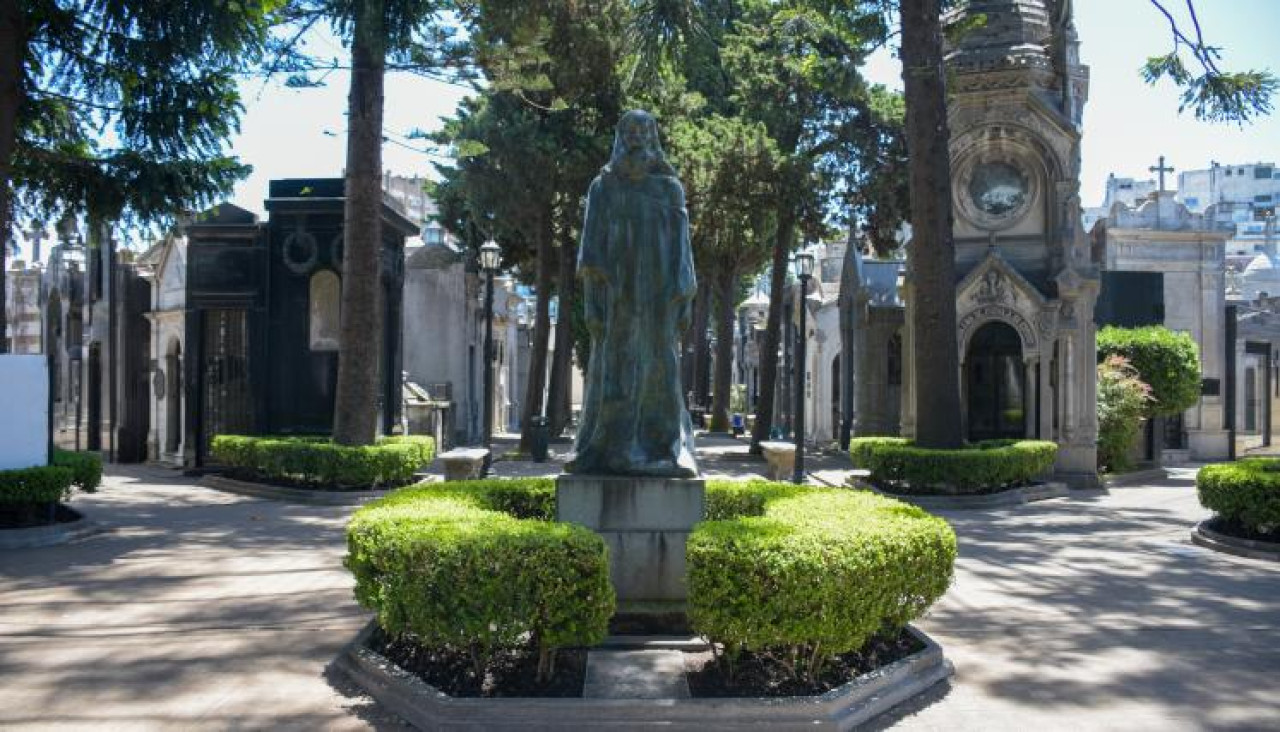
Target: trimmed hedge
x=898 y=466
x=86 y=468
x=1168 y=361
x=444 y=564
x=810 y=573
x=1246 y=492
x=42 y=484
x=317 y=462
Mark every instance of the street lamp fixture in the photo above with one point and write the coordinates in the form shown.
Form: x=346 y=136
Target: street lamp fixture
x=803 y=262
x=490 y=259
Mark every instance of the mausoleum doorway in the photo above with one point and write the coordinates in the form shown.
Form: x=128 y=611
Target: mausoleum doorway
x=995 y=384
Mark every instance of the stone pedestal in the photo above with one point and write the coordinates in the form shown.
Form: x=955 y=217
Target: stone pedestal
x=644 y=521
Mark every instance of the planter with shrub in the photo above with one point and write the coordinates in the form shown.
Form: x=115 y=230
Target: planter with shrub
x=806 y=576
x=318 y=463
x=1245 y=499
x=899 y=467
x=454 y=575
x=479 y=592
x=34 y=497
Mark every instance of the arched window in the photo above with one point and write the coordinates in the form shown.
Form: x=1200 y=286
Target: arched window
x=325 y=307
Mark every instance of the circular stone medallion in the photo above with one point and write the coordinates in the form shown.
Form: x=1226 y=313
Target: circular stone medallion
x=998 y=189
x=994 y=193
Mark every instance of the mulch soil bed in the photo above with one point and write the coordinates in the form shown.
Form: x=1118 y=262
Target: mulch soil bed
x=511 y=673
x=1238 y=531
x=27 y=516
x=760 y=675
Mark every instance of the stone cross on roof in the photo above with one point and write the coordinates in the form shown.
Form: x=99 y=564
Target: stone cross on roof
x=1160 y=170
x=36 y=236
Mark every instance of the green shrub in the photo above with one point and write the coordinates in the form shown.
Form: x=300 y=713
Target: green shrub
x=860 y=448
x=1246 y=492
x=1167 y=361
x=42 y=484
x=730 y=499
x=86 y=468
x=1122 y=400
x=898 y=466
x=438 y=563
x=812 y=572
x=319 y=463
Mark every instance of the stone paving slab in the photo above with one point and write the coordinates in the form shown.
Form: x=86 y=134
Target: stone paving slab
x=648 y=674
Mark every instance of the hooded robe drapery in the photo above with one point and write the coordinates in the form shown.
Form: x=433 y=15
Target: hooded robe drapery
x=638 y=284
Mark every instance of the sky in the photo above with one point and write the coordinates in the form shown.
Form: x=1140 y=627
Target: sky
x=295 y=133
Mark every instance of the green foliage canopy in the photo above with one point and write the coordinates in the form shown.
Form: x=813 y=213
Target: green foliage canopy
x=1167 y=361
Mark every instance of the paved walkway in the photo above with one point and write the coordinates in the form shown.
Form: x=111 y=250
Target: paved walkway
x=203 y=610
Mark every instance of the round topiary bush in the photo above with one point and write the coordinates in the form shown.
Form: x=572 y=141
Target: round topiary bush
x=452 y=566
x=898 y=466
x=811 y=573
x=1245 y=493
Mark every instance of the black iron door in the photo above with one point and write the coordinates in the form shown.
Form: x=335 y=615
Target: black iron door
x=994 y=380
x=227 y=401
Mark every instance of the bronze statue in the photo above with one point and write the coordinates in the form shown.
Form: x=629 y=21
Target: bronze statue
x=638 y=283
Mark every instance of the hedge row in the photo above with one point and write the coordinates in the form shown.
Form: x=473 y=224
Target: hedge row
x=43 y=484
x=810 y=573
x=439 y=563
x=86 y=468
x=317 y=462
x=1246 y=492
x=898 y=466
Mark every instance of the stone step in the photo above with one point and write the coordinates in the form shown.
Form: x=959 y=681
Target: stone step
x=655 y=642
x=635 y=674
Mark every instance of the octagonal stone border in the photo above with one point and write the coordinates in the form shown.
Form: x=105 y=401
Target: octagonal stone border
x=52 y=535
x=1011 y=497
x=1210 y=539
x=289 y=495
x=843 y=708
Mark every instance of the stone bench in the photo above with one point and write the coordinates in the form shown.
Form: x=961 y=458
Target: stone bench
x=781 y=457
x=464 y=463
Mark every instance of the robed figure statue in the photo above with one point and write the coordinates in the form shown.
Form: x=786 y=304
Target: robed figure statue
x=637 y=284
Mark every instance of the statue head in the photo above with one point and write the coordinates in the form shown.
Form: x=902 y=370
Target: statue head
x=637 y=151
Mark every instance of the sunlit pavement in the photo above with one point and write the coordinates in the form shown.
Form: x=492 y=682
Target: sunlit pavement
x=198 y=609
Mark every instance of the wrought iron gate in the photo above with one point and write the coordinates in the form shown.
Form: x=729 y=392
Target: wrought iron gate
x=227 y=400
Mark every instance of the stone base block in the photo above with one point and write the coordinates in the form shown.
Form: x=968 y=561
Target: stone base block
x=464 y=463
x=644 y=521
x=1077 y=466
x=1209 y=445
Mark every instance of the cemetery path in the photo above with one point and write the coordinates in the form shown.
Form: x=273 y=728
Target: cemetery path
x=197 y=609
x=1097 y=612
x=193 y=610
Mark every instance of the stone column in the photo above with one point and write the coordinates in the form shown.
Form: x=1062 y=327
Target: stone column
x=1029 y=395
x=1046 y=396
x=908 y=424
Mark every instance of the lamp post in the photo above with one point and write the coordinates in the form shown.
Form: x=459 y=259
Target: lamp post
x=490 y=257
x=804 y=271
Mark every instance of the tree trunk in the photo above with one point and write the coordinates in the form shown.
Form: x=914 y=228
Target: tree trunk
x=355 y=418
x=773 y=330
x=701 y=346
x=726 y=290
x=541 y=334
x=933 y=285
x=558 y=394
x=12 y=42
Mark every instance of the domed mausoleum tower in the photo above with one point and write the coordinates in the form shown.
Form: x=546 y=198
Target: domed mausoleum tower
x=1027 y=285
